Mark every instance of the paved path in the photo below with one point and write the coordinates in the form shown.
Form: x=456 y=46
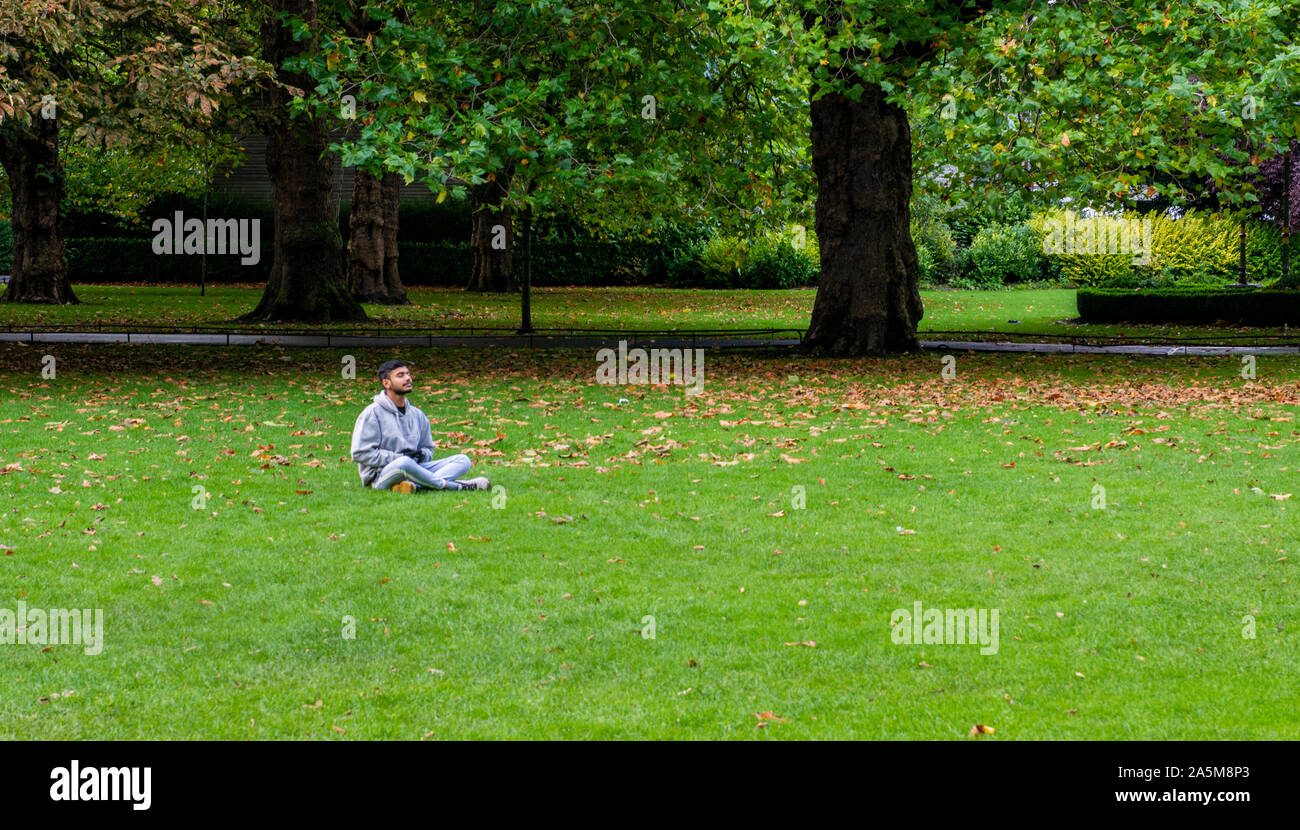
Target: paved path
x=378 y=341
x=1071 y=348
x=670 y=341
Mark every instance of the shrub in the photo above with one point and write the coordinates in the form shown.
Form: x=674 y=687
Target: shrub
x=1192 y=305
x=684 y=271
x=722 y=259
x=1000 y=254
x=775 y=263
x=935 y=249
x=1195 y=250
x=927 y=269
x=668 y=245
x=814 y=250
x=1263 y=253
x=714 y=263
x=771 y=261
x=1082 y=269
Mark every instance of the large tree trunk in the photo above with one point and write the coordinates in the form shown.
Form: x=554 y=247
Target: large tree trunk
x=372 y=240
x=36 y=183
x=867 y=302
x=493 y=267
x=307 y=275
x=392 y=190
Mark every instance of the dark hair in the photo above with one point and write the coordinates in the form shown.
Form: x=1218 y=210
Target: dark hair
x=388 y=366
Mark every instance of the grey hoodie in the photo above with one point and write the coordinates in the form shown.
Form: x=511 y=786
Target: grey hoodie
x=382 y=434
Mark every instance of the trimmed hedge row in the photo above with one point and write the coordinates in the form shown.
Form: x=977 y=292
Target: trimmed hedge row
x=1190 y=305
x=557 y=262
x=573 y=262
x=434 y=251
x=433 y=241
x=133 y=260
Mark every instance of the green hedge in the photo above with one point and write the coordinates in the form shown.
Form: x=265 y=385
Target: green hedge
x=433 y=241
x=581 y=262
x=434 y=263
x=1190 y=305
x=563 y=254
x=133 y=260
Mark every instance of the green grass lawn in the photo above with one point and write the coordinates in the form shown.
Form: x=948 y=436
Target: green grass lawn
x=1046 y=312
x=622 y=503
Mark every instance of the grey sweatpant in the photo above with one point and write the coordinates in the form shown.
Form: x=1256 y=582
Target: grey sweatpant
x=439 y=474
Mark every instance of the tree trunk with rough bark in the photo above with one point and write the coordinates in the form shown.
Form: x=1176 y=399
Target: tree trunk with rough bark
x=493 y=267
x=36 y=183
x=372 y=240
x=867 y=301
x=307 y=275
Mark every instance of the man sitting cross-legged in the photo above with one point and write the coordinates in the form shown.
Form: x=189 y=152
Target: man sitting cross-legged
x=393 y=445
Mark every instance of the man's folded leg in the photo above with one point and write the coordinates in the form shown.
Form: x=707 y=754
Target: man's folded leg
x=405 y=469
x=433 y=476
x=451 y=468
